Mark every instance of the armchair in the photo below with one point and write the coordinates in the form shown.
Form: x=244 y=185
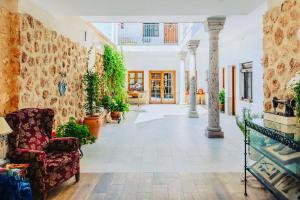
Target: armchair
x=52 y=160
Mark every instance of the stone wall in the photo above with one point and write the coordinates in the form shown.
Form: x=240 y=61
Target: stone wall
x=9 y=61
x=281 y=49
x=47 y=58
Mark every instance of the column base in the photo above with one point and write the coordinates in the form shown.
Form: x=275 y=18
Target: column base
x=214 y=133
x=193 y=114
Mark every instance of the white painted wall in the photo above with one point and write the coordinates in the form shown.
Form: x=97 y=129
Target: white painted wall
x=273 y=3
x=153 y=60
x=69 y=26
x=242 y=41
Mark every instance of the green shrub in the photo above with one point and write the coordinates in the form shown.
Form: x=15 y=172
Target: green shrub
x=73 y=129
x=222 y=97
x=105 y=102
x=114 y=77
x=297 y=99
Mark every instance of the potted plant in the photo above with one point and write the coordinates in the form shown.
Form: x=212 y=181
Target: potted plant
x=117 y=108
x=73 y=129
x=222 y=100
x=297 y=99
x=105 y=102
x=91 y=82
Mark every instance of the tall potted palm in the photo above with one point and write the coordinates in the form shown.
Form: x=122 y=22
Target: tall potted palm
x=91 y=82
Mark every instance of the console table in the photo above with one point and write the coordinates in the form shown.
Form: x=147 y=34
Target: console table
x=276 y=157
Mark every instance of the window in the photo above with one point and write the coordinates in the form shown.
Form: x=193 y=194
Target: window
x=151 y=30
x=247 y=76
x=136 y=80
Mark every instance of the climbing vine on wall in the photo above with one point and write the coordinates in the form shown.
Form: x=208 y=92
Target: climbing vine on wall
x=114 y=76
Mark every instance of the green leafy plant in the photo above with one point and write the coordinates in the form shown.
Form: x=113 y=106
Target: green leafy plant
x=222 y=97
x=91 y=86
x=119 y=105
x=73 y=129
x=105 y=102
x=114 y=77
x=297 y=99
x=91 y=81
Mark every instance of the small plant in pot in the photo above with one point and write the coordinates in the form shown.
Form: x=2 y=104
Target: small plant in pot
x=91 y=82
x=74 y=129
x=118 y=108
x=222 y=100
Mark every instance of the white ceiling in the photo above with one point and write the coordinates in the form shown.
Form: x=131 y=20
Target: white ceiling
x=155 y=10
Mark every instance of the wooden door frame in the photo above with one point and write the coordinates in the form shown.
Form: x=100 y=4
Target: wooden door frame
x=135 y=78
x=233 y=70
x=175 y=33
x=162 y=85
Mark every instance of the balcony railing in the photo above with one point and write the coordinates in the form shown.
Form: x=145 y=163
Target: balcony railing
x=148 y=34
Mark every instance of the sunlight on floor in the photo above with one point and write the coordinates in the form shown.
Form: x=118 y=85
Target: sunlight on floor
x=153 y=112
x=172 y=143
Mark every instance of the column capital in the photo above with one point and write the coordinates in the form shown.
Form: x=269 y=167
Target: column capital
x=182 y=55
x=192 y=45
x=215 y=23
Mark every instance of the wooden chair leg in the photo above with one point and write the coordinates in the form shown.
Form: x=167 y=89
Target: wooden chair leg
x=77 y=177
x=45 y=196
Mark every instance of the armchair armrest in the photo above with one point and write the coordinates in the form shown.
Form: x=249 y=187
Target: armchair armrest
x=64 y=144
x=27 y=155
x=37 y=165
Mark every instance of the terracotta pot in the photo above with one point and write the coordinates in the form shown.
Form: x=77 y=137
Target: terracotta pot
x=221 y=107
x=94 y=124
x=115 y=115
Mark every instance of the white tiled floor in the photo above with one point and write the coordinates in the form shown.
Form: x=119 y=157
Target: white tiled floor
x=172 y=143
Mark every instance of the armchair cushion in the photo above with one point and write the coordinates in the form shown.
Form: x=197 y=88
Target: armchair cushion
x=57 y=161
x=65 y=144
x=32 y=128
x=61 y=167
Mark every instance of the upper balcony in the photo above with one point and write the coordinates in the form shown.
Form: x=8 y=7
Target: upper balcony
x=148 y=34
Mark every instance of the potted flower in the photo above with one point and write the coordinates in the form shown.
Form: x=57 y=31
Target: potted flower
x=222 y=100
x=74 y=129
x=117 y=108
x=91 y=82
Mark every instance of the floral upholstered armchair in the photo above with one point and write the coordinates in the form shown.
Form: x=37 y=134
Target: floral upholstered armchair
x=52 y=160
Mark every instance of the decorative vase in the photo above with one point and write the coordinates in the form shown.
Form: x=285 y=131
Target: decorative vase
x=94 y=124
x=115 y=115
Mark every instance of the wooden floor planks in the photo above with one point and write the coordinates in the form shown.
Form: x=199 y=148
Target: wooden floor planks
x=157 y=186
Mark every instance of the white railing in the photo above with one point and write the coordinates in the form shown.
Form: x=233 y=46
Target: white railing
x=148 y=34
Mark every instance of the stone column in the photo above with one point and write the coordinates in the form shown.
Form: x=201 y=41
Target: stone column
x=182 y=56
x=214 y=25
x=192 y=46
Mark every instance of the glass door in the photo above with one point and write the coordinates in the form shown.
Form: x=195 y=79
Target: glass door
x=155 y=87
x=162 y=85
x=168 y=90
